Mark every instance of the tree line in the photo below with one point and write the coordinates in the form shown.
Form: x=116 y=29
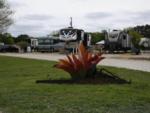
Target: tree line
x=22 y=40
x=144 y=30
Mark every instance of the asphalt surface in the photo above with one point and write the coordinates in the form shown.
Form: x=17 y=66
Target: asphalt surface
x=140 y=62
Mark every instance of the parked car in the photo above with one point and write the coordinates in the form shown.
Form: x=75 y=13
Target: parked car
x=9 y=48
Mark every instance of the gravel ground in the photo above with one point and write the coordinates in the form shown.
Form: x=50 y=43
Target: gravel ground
x=124 y=61
x=142 y=65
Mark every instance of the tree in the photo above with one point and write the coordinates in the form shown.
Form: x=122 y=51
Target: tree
x=23 y=37
x=54 y=34
x=135 y=37
x=23 y=44
x=96 y=37
x=5 y=16
x=23 y=41
x=6 y=38
x=143 y=30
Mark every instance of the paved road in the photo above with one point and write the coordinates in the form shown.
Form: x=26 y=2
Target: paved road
x=143 y=65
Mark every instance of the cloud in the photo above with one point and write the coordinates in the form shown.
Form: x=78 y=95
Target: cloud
x=43 y=15
x=98 y=15
x=27 y=29
x=16 y=4
x=134 y=18
x=38 y=17
x=143 y=16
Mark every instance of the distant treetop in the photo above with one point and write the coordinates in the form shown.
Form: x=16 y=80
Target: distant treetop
x=144 y=30
x=5 y=16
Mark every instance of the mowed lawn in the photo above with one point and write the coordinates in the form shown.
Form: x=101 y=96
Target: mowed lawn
x=20 y=94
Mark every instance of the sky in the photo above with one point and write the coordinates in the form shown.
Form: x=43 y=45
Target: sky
x=41 y=17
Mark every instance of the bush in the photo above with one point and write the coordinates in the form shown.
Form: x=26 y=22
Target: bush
x=23 y=44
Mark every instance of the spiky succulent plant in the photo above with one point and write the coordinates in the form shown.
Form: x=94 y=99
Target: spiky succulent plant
x=82 y=65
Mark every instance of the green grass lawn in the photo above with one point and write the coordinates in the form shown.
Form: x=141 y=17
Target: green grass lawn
x=20 y=94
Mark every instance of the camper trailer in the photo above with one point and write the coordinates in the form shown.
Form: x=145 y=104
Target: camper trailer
x=117 y=40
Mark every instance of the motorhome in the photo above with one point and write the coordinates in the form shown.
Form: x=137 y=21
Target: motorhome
x=71 y=37
x=45 y=44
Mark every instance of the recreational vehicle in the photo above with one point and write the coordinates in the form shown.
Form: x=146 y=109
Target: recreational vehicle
x=71 y=37
x=45 y=44
x=145 y=43
x=118 y=40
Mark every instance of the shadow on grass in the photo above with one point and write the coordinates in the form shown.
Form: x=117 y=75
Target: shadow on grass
x=102 y=76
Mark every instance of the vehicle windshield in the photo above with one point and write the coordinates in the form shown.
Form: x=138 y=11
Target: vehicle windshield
x=67 y=32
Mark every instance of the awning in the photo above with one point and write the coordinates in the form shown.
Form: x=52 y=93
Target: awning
x=102 y=42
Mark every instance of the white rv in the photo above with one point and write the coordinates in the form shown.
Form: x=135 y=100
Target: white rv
x=118 y=40
x=71 y=37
